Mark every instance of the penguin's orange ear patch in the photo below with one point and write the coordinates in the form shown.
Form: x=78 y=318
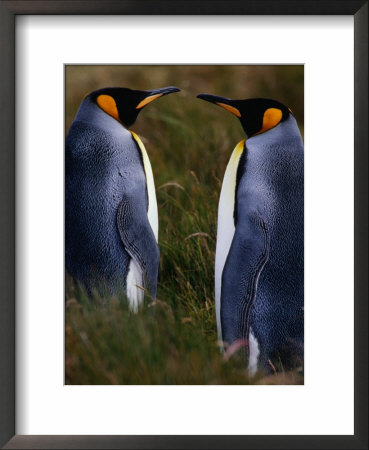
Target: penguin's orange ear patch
x=271 y=118
x=148 y=100
x=107 y=104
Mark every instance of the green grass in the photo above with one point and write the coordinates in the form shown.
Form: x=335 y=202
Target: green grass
x=189 y=143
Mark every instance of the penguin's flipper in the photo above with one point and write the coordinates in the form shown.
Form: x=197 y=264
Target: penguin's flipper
x=245 y=261
x=139 y=240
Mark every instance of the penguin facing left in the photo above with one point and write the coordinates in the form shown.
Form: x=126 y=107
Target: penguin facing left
x=111 y=216
x=259 y=264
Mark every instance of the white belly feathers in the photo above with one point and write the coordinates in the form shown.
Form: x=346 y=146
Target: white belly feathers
x=134 y=282
x=152 y=212
x=254 y=353
x=226 y=226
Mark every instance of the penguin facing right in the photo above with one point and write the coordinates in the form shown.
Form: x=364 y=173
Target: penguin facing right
x=111 y=216
x=259 y=267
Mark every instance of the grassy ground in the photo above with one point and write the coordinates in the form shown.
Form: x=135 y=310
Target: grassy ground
x=189 y=143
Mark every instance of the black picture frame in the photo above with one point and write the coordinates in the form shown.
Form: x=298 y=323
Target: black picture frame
x=8 y=11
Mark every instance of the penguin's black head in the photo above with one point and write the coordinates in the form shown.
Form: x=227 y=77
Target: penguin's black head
x=125 y=104
x=257 y=115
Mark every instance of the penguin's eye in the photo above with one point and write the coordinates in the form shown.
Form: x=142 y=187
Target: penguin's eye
x=107 y=104
x=271 y=118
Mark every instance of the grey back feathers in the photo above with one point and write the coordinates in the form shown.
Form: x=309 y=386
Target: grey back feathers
x=270 y=195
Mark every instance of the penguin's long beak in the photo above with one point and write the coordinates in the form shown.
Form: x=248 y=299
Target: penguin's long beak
x=156 y=93
x=224 y=102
